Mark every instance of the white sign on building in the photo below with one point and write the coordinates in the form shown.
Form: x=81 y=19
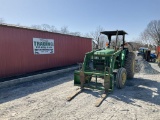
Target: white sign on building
x=43 y=46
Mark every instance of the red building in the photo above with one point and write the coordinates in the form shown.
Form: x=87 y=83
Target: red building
x=25 y=50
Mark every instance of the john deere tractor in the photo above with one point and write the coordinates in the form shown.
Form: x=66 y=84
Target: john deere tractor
x=104 y=68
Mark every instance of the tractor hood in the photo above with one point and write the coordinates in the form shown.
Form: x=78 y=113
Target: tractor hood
x=104 y=52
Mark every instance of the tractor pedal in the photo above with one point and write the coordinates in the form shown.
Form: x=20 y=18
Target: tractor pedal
x=100 y=100
x=69 y=98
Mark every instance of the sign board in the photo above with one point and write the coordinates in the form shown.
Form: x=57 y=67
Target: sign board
x=43 y=46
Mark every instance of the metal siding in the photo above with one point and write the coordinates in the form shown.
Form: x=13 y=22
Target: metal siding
x=16 y=51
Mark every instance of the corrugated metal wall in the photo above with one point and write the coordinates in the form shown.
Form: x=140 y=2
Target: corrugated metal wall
x=16 y=50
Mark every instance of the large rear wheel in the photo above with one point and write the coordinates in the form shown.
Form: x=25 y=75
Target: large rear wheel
x=130 y=65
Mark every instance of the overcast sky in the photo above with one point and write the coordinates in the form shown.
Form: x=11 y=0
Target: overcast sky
x=83 y=15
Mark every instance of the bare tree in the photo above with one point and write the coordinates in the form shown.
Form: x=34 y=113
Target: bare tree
x=97 y=38
x=53 y=28
x=75 y=33
x=101 y=44
x=45 y=27
x=64 y=30
x=152 y=33
x=18 y=24
x=1 y=20
x=86 y=35
x=145 y=39
x=38 y=27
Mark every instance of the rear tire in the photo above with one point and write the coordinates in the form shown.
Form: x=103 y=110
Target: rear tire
x=154 y=60
x=130 y=65
x=121 y=78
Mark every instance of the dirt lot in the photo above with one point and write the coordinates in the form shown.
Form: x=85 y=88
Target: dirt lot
x=46 y=99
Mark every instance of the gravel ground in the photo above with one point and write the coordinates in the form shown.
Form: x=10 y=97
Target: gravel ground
x=155 y=66
x=144 y=67
x=46 y=100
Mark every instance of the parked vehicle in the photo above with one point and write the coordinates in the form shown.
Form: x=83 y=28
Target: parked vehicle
x=146 y=54
x=114 y=65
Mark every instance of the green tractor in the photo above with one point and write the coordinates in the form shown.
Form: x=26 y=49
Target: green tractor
x=105 y=68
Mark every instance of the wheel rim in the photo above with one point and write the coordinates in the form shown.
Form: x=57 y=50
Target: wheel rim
x=124 y=78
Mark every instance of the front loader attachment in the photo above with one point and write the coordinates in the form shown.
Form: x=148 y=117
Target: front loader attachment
x=96 y=73
x=84 y=80
x=80 y=77
x=69 y=98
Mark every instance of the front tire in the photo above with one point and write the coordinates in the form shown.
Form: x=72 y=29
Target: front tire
x=121 y=78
